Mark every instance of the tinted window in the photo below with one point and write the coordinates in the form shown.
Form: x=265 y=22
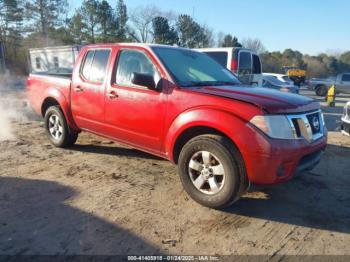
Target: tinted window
x=286 y=78
x=256 y=65
x=191 y=68
x=56 y=62
x=130 y=62
x=37 y=63
x=273 y=80
x=99 y=66
x=95 y=71
x=220 y=57
x=245 y=61
x=85 y=71
x=346 y=78
x=245 y=67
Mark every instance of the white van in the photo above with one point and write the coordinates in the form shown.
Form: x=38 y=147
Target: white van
x=245 y=63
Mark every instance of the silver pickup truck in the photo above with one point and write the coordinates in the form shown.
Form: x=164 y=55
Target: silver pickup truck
x=341 y=82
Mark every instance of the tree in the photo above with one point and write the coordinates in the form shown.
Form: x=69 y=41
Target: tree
x=11 y=18
x=191 y=34
x=163 y=33
x=78 y=29
x=107 y=21
x=122 y=19
x=345 y=58
x=44 y=14
x=230 y=41
x=255 y=44
x=142 y=22
x=90 y=18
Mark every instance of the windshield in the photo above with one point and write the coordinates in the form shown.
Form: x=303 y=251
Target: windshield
x=191 y=68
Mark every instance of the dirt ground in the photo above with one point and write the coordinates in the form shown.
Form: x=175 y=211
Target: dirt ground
x=103 y=198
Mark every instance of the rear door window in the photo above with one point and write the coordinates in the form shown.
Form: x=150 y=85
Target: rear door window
x=95 y=65
x=85 y=70
x=220 y=57
x=99 y=66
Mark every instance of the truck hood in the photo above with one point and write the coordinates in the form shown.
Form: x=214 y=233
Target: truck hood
x=272 y=101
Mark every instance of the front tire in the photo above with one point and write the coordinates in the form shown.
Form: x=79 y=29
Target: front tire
x=212 y=171
x=57 y=129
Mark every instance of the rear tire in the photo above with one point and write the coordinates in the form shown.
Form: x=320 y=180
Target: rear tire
x=57 y=129
x=321 y=90
x=202 y=160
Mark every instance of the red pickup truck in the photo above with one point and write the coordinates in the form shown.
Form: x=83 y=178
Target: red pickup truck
x=183 y=106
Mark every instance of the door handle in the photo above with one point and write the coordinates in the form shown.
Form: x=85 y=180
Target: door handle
x=78 y=89
x=112 y=94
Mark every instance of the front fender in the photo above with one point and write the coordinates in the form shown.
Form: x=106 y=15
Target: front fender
x=234 y=127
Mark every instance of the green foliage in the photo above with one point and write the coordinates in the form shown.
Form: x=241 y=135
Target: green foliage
x=191 y=34
x=78 y=29
x=122 y=18
x=44 y=14
x=163 y=33
x=322 y=65
x=90 y=18
x=107 y=21
x=230 y=41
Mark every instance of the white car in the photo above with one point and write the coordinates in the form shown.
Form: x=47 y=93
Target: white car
x=281 y=77
x=345 y=126
x=272 y=82
x=243 y=62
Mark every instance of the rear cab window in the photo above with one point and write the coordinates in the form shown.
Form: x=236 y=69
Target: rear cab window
x=220 y=57
x=94 y=67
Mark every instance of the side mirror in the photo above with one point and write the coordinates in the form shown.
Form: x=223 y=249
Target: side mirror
x=144 y=80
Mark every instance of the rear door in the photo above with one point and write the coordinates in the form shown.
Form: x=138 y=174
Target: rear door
x=88 y=90
x=344 y=84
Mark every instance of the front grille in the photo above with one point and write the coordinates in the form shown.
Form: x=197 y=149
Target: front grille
x=308 y=126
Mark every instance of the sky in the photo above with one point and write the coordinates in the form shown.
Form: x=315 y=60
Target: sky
x=310 y=26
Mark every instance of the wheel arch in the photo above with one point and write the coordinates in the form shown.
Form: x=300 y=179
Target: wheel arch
x=54 y=97
x=201 y=122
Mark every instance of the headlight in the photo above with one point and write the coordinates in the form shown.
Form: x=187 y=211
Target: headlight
x=274 y=126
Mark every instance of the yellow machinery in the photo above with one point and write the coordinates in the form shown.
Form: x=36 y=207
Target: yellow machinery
x=297 y=75
x=330 y=98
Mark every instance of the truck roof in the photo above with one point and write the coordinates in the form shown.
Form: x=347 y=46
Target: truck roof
x=144 y=45
x=220 y=49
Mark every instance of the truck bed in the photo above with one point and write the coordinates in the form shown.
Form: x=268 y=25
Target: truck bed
x=41 y=86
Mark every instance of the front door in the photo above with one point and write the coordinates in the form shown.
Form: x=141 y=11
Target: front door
x=88 y=91
x=135 y=114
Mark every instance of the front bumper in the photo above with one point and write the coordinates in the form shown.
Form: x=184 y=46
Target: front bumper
x=278 y=160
